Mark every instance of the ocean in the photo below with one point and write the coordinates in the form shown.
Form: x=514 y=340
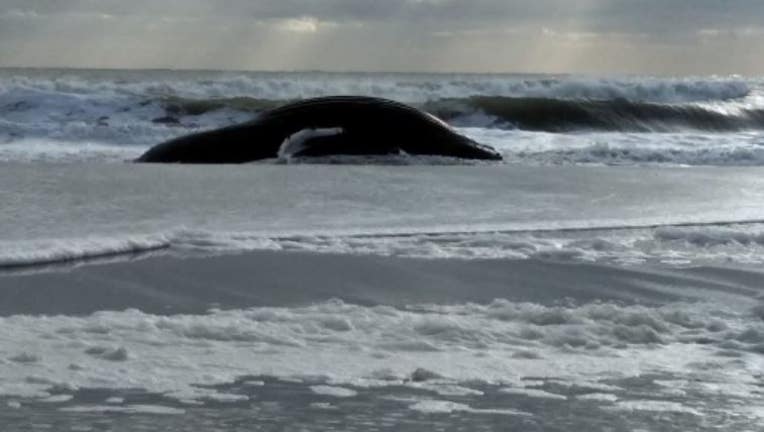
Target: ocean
x=606 y=276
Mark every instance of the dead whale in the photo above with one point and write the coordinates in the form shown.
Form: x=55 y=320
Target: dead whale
x=337 y=125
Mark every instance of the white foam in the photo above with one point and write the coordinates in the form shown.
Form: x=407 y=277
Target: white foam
x=448 y=407
x=47 y=150
x=438 y=407
x=598 y=397
x=339 y=392
x=410 y=88
x=60 y=398
x=185 y=356
x=36 y=252
x=323 y=406
x=127 y=409
x=534 y=393
x=620 y=148
x=655 y=406
x=668 y=245
x=227 y=397
x=673 y=246
x=446 y=389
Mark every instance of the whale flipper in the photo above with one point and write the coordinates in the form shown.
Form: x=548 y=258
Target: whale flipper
x=300 y=142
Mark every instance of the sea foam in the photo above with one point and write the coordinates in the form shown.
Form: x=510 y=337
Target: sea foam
x=188 y=357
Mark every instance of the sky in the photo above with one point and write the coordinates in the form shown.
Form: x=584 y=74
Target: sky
x=661 y=37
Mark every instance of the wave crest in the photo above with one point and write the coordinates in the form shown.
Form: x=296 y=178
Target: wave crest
x=558 y=115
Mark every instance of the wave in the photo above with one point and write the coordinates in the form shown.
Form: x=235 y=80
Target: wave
x=38 y=253
x=145 y=108
x=711 y=236
x=671 y=245
x=114 y=116
x=409 y=88
x=533 y=114
x=557 y=115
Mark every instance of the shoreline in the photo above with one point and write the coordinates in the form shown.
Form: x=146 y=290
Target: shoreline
x=166 y=284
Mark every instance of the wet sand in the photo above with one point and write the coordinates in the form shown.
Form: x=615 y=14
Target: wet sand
x=169 y=284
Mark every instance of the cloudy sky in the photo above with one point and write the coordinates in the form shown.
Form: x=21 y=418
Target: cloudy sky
x=596 y=36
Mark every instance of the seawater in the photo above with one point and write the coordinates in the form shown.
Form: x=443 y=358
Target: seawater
x=654 y=182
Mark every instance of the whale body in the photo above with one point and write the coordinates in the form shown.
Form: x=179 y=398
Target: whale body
x=337 y=125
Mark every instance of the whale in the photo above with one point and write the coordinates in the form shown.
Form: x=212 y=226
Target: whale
x=325 y=126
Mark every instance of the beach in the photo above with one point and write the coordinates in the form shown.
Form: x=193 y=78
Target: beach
x=343 y=340
x=602 y=277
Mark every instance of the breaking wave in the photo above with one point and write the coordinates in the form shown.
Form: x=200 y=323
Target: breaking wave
x=410 y=88
x=559 y=115
x=669 y=245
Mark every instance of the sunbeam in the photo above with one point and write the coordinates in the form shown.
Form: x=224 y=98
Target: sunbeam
x=595 y=36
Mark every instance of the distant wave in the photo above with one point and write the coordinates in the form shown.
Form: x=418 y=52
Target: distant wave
x=409 y=88
x=174 y=105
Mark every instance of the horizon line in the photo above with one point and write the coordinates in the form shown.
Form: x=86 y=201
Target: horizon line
x=361 y=71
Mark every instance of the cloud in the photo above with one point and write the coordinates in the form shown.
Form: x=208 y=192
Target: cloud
x=663 y=16
x=496 y=35
x=19 y=14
